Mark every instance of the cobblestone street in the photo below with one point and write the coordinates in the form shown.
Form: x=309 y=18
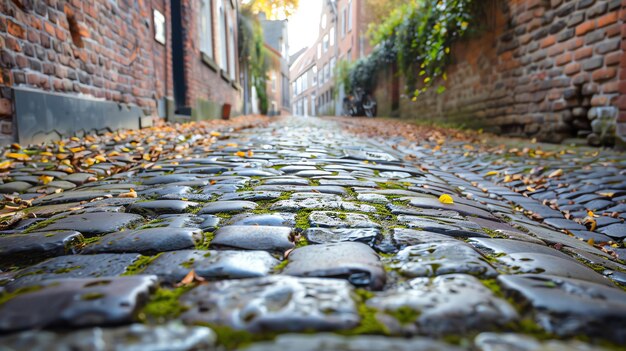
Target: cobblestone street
x=308 y=234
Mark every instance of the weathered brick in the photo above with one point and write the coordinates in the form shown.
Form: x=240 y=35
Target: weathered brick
x=603 y=74
x=608 y=46
x=572 y=68
x=593 y=63
x=583 y=53
x=607 y=19
x=585 y=27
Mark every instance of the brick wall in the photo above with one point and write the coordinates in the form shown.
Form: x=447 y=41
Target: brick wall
x=550 y=69
x=207 y=80
x=104 y=49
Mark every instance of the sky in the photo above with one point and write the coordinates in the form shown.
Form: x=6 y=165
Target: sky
x=303 y=25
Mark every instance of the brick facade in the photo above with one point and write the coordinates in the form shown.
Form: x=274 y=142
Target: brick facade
x=548 y=69
x=103 y=49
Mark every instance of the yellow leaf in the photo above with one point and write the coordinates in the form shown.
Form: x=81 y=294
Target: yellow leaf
x=507 y=179
x=606 y=194
x=446 y=199
x=46 y=179
x=77 y=149
x=557 y=173
x=46 y=153
x=130 y=194
x=16 y=146
x=250 y=153
x=5 y=165
x=21 y=157
x=100 y=158
x=146 y=157
x=492 y=173
x=113 y=153
x=212 y=181
x=232 y=145
x=240 y=154
x=590 y=241
x=215 y=134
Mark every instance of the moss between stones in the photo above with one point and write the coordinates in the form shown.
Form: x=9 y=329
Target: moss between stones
x=302 y=219
x=279 y=267
x=6 y=296
x=140 y=264
x=233 y=339
x=404 y=314
x=164 y=304
x=40 y=225
x=369 y=323
x=206 y=241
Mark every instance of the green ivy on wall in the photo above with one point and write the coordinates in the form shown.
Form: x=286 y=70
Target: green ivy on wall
x=417 y=35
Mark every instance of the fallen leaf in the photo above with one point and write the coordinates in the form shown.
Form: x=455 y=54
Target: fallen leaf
x=446 y=199
x=557 y=173
x=130 y=194
x=16 y=156
x=190 y=278
x=46 y=179
x=5 y=165
x=250 y=153
x=240 y=154
x=216 y=134
x=492 y=173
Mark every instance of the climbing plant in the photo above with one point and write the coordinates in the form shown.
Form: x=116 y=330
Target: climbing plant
x=253 y=54
x=417 y=35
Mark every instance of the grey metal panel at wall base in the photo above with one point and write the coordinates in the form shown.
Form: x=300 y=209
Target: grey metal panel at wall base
x=42 y=116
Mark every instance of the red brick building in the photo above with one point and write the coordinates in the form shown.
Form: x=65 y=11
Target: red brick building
x=537 y=68
x=70 y=67
x=342 y=36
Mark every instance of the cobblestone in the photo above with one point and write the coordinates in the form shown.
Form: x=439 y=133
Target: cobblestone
x=266 y=237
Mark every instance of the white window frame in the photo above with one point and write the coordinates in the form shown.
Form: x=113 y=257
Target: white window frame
x=206 y=28
x=222 y=35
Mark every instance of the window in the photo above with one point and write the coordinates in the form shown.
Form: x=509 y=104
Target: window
x=344 y=19
x=206 y=28
x=332 y=36
x=350 y=15
x=222 y=32
x=325 y=42
x=320 y=76
x=319 y=50
x=324 y=21
x=333 y=62
x=326 y=72
x=314 y=75
x=231 y=52
x=349 y=56
x=294 y=87
x=273 y=75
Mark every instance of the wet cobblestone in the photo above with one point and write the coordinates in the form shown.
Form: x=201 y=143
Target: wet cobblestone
x=256 y=238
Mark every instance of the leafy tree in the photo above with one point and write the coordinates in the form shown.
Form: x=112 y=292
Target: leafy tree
x=273 y=9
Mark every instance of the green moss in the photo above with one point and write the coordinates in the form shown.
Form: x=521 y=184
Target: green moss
x=302 y=220
x=66 y=269
x=492 y=284
x=404 y=315
x=40 y=225
x=164 y=304
x=314 y=182
x=233 y=339
x=92 y=296
x=6 y=296
x=369 y=323
x=140 y=264
x=206 y=241
x=189 y=263
x=391 y=185
x=279 y=267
